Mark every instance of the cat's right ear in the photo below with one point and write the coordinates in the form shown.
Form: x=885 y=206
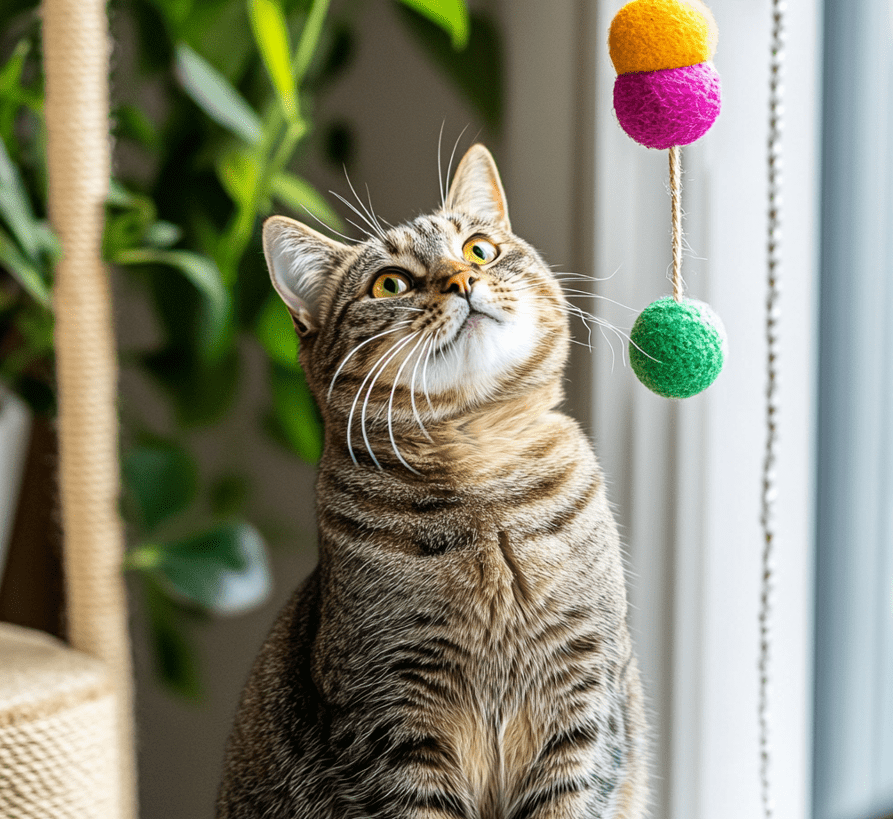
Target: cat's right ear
x=299 y=260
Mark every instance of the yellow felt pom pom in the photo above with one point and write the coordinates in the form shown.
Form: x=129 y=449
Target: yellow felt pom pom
x=650 y=35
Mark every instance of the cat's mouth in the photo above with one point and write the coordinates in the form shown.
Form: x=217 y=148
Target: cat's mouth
x=472 y=320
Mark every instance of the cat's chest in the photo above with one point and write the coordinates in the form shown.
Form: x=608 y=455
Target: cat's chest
x=486 y=621
x=460 y=572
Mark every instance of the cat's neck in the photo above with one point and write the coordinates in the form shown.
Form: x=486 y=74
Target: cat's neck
x=486 y=441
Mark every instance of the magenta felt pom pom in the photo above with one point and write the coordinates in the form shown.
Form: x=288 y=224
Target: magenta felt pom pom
x=674 y=106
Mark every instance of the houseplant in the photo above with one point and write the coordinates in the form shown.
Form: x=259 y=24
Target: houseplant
x=232 y=119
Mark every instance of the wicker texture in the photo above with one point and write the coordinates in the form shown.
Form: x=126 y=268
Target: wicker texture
x=58 y=730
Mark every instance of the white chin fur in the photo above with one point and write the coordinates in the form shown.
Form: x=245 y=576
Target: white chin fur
x=480 y=357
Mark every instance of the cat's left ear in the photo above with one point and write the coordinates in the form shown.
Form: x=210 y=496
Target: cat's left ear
x=299 y=260
x=477 y=189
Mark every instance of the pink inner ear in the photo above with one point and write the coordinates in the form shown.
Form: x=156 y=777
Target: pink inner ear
x=298 y=259
x=674 y=106
x=476 y=187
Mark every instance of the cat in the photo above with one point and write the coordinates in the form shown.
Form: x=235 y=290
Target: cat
x=461 y=650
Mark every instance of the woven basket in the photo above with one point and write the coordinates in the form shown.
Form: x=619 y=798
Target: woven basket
x=58 y=731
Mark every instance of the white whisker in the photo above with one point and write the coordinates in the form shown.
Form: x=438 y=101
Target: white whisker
x=360 y=228
x=425 y=374
x=329 y=228
x=358 y=213
x=572 y=293
x=440 y=168
x=354 y=191
x=372 y=213
x=400 y=345
x=362 y=344
x=605 y=337
x=559 y=273
x=415 y=370
x=391 y=407
x=353 y=406
x=452 y=157
x=369 y=218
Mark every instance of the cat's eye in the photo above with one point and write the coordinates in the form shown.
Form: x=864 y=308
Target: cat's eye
x=480 y=251
x=390 y=284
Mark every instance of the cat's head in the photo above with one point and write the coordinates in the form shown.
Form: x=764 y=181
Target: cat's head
x=426 y=321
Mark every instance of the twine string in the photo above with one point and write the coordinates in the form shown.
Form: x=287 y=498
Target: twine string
x=770 y=478
x=676 y=211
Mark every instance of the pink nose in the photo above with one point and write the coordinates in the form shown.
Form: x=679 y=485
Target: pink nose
x=460 y=283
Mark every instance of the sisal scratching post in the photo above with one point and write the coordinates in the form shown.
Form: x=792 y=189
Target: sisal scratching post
x=76 y=52
x=58 y=725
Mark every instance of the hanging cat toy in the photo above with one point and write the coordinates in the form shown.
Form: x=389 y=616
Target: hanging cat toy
x=666 y=95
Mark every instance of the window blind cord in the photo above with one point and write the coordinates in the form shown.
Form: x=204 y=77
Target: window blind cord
x=770 y=475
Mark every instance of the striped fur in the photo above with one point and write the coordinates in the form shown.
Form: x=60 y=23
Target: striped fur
x=461 y=651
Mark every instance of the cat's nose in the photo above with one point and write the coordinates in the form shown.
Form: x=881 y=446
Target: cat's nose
x=460 y=283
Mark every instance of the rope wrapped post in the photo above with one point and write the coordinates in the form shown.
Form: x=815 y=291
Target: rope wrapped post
x=76 y=55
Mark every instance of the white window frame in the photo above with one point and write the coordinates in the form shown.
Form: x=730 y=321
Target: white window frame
x=685 y=477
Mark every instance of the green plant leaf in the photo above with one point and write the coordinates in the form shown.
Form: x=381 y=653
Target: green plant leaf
x=223 y=570
x=215 y=96
x=131 y=122
x=163 y=234
x=173 y=654
x=302 y=197
x=231 y=49
x=25 y=273
x=177 y=11
x=295 y=412
x=203 y=273
x=449 y=15
x=239 y=172
x=36 y=328
x=14 y=94
x=15 y=207
x=271 y=35
x=11 y=72
x=309 y=40
x=478 y=73
x=119 y=197
x=276 y=333
x=128 y=218
x=161 y=479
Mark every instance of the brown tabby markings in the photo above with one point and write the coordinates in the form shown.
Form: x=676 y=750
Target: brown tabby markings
x=461 y=651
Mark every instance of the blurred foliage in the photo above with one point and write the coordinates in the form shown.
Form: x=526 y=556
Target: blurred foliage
x=233 y=86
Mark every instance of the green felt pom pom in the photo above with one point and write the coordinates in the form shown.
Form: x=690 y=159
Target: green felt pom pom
x=677 y=348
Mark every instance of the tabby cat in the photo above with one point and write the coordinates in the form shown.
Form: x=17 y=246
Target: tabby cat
x=461 y=651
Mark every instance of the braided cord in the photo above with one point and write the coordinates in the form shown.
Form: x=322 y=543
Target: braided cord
x=676 y=214
x=770 y=475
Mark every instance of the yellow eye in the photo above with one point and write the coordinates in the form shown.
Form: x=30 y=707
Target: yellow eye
x=480 y=251
x=390 y=284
